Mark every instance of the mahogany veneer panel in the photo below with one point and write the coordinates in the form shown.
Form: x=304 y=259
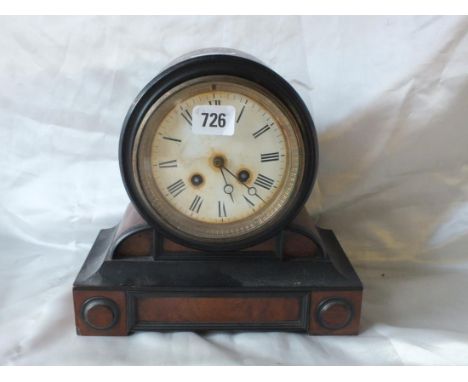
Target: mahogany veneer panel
x=218 y=309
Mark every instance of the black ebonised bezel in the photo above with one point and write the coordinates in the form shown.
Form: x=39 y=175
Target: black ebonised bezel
x=220 y=64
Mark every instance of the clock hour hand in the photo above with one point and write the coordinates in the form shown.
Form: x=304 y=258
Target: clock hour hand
x=251 y=190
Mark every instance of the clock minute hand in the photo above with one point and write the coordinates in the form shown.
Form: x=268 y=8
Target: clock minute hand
x=234 y=175
x=228 y=188
x=218 y=161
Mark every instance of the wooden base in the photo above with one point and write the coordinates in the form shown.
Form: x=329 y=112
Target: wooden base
x=135 y=280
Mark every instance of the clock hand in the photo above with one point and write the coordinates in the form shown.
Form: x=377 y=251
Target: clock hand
x=251 y=190
x=228 y=188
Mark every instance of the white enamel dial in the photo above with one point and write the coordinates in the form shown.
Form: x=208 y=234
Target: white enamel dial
x=253 y=167
x=216 y=186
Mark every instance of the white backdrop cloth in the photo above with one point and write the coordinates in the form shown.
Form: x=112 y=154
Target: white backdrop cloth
x=389 y=96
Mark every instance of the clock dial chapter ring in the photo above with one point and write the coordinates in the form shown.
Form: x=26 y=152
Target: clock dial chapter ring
x=191 y=222
x=167 y=204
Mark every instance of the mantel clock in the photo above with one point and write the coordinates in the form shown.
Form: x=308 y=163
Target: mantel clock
x=218 y=154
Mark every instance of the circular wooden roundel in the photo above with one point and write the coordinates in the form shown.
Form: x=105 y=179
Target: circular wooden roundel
x=335 y=313
x=100 y=313
x=218 y=152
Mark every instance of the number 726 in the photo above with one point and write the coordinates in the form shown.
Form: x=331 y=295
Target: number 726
x=215 y=119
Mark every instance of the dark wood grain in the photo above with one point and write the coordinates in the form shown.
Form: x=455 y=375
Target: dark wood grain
x=138 y=244
x=218 y=309
x=296 y=245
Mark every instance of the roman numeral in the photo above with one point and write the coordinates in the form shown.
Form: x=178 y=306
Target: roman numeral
x=215 y=102
x=196 y=204
x=172 y=139
x=270 y=157
x=187 y=116
x=241 y=112
x=249 y=201
x=168 y=164
x=176 y=188
x=221 y=210
x=264 y=181
x=261 y=131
